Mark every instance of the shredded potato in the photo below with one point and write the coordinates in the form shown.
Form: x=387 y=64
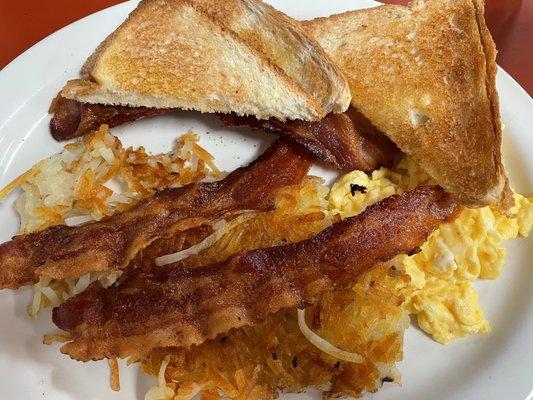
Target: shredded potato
x=220 y=228
x=55 y=338
x=114 y=377
x=161 y=391
x=301 y=212
x=323 y=344
x=51 y=292
x=73 y=187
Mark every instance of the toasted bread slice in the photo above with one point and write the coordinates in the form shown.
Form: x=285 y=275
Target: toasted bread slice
x=286 y=45
x=425 y=75
x=184 y=54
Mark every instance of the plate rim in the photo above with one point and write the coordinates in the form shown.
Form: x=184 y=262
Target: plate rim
x=11 y=69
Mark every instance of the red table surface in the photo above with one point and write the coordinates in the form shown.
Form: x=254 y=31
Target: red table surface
x=24 y=23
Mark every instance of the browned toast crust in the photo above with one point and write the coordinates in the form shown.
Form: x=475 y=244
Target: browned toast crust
x=425 y=76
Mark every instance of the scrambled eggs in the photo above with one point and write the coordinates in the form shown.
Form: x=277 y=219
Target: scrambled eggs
x=440 y=293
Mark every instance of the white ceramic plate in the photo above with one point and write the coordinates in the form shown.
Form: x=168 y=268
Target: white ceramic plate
x=493 y=367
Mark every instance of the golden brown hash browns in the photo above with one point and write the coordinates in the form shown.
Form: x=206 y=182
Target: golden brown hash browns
x=276 y=356
x=256 y=362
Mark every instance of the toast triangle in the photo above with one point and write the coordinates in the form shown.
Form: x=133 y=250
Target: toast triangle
x=285 y=44
x=174 y=54
x=425 y=75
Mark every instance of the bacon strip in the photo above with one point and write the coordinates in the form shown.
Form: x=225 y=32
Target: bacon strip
x=181 y=307
x=347 y=141
x=66 y=252
x=72 y=118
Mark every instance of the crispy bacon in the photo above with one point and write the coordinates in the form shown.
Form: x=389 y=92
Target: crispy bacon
x=347 y=141
x=173 y=306
x=67 y=252
x=72 y=118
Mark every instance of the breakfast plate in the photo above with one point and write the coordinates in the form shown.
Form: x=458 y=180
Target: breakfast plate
x=498 y=365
